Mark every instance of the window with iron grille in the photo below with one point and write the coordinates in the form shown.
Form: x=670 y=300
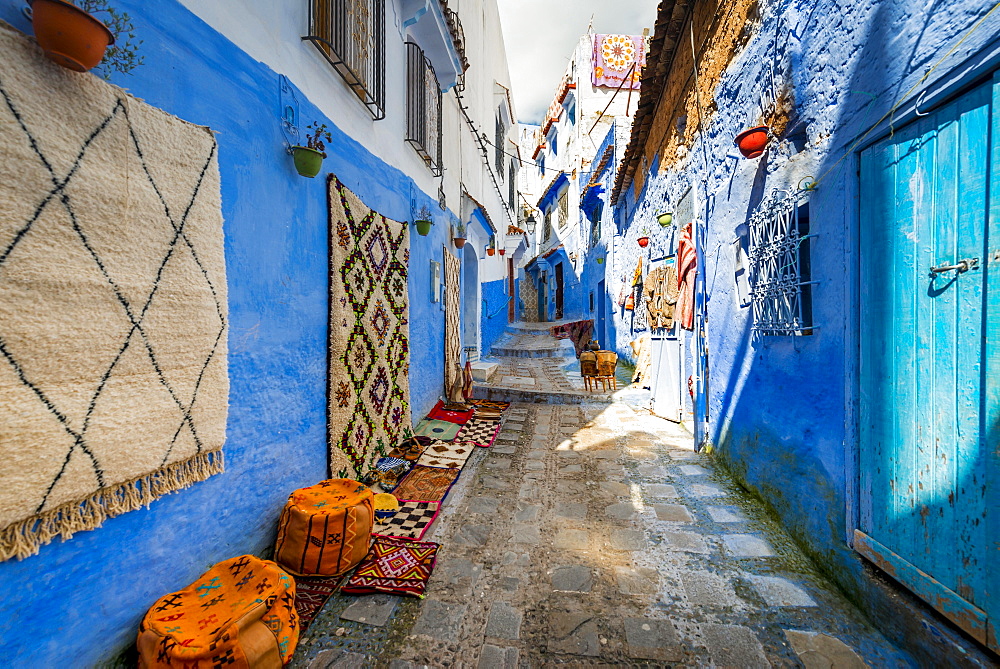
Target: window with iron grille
x=595 y=226
x=351 y=35
x=547 y=226
x=511 y=186
x=498 y=145
x=423 y=108
x=780 y=270
x=564 y=208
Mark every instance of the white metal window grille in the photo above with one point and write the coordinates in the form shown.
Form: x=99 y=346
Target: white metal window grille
x=351 y=35
x=423 y=108
x=780 y=281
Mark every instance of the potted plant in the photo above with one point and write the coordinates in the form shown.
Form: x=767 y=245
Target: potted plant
x=600 y=261
x=503 y=251
x=665 y=219
x=644 y=240
x=459 y=237
x=423 y=221
x=309 y=158
x=491 y=247
x=752 y=142
x=72 y=36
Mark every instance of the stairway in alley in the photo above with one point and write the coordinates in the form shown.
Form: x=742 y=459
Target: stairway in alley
x=591 y=534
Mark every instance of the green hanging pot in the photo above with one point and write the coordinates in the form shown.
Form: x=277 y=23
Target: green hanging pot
x=307 y=161
x=423 y=227
x=665 y=219
x=600 y=261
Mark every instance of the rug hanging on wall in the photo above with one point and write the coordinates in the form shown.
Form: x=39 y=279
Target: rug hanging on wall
x=369 y=357
x=452 y=322
x=113 y=378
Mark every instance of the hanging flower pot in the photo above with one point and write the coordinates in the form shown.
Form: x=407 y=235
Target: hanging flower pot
x=423 y=227
x=665 y=219
x=459 y=242
x=490 y=252
x=68 y=35
x=643 y=242
x=600 y=261
x=752 y=142
x=502 y=251
x=308 y=162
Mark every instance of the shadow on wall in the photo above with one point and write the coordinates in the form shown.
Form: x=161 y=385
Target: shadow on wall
x=784 y=409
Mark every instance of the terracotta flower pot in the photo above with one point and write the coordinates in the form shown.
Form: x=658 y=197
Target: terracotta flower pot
x=68 y=35
x=490 y=252
x=643 y=242
x=502 y=251
x=752 y=142
x=459 y=242
x=308 y=162
x=423 y=227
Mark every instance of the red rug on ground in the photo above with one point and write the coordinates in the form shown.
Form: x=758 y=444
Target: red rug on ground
x=458 y=417
x=311 y=593
x=395 y=566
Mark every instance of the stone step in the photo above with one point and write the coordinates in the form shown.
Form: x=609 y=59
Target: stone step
x=483 y=371
x=510 y=394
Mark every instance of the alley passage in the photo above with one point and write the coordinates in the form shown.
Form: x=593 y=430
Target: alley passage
x=593 y=534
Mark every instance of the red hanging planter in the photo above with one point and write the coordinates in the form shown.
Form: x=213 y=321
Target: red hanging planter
x=502 y=251
x=490 y=252
x=459 y=242
x=752 y=142
x=643 y=242
x=68 y=35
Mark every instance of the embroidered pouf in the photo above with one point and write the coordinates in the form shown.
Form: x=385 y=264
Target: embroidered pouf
x=325 y=529
x=240 y=613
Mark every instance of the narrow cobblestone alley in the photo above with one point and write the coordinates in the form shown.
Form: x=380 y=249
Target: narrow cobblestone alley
x=592 y=534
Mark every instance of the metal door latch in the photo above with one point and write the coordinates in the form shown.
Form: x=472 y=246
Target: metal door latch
x=959 y=267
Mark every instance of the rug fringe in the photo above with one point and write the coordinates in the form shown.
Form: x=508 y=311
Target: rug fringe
x=24 y=538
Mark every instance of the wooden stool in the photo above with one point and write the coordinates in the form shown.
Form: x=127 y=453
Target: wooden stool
x=588 y=369
x=325 y=529
x=240 y=613
x=607 y=363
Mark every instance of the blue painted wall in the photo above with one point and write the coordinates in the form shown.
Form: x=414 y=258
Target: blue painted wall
x=493 y=317
x=782 y=409
x=79 y=602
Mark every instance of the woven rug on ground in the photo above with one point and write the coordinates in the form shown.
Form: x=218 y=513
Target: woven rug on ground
x=311 y=593
x=113 y=377
x=457 y=417
x=369 y=390
x=396 y=566
x=411 y=521
x=491 y=404
x=480 y=432
x=427 y=484
x=437 y=429
x=448 y=454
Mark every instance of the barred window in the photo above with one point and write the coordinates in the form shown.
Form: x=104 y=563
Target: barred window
x=423 y=108
x=780 y=270
x=351 y=35
x=564 y=208
x=498 y=145
x=511 y=186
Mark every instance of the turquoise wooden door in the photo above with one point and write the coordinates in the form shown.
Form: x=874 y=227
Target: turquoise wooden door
x=928 y=384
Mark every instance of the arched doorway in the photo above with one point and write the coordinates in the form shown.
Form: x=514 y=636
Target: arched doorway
x=470 y=300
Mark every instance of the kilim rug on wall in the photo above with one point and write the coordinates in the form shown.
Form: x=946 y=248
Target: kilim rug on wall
x=369 y=357
x=452 y=325
x=113 y=380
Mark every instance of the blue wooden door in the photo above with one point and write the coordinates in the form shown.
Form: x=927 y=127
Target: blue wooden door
x=928 y=384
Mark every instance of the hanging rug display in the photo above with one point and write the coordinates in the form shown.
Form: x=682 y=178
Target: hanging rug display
x=395 y=566
x=369 y=355
x=113 y=309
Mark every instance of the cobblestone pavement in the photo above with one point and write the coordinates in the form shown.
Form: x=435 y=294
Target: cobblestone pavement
x=592 y=535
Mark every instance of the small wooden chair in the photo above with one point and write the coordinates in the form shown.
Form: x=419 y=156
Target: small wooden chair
x=607 y=363
x=588 y=369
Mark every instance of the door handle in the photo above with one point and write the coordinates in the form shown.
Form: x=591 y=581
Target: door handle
x=959 y=267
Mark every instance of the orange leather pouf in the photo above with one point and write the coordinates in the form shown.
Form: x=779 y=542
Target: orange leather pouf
x=240 y=613
x=325 y=529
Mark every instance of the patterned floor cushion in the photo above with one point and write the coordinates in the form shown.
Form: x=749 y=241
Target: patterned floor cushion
x=325 y=529
x=395 y=566
x=240 y=613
